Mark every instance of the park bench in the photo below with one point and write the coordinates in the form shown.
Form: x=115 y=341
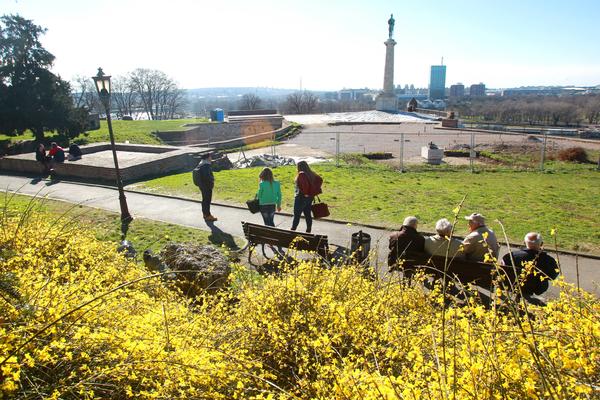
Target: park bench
x=465 y=271
x=267 y=235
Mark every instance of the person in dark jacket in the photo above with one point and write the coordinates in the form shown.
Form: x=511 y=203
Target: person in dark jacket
x=540 y=267
x=206 y=184
x=42 y=158
x=308 y=185
x=406 y=240
x=75 y=153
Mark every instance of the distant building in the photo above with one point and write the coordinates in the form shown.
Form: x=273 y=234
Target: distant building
x=437 y=82
x=477 y=90
x=352 y=94
x=457 y=91
x=549 y=91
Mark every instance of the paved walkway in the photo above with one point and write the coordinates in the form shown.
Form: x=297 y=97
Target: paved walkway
x=188 y=212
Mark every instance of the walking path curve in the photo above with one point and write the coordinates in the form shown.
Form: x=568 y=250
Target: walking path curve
x=188 y=212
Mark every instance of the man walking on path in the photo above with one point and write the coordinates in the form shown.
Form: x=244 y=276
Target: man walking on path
x=205 y=180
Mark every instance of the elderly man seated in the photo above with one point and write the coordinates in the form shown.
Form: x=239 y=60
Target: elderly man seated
x=443 y=244
x=406 y=240
x=480 y=241
x=539 y=266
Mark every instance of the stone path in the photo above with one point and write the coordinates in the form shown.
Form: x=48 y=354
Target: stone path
x=188 y=212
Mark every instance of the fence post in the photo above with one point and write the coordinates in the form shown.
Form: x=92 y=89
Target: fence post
x=472 y=151
x=402 y=152
x=337 y=149
x=543 y=156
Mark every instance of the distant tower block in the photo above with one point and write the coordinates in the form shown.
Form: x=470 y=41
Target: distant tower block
x=387 y=99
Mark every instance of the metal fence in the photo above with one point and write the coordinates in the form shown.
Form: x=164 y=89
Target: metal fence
x=463 y=149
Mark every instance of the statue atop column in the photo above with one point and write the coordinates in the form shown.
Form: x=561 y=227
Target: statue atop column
x=387 y=100
x=391 y=22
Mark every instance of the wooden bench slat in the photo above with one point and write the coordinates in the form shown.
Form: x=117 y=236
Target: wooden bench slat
x=261 y=234
x=479 y=273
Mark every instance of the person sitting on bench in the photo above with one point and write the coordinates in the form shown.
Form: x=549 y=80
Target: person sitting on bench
x=406 y=240
x=442 y=243
x=480 y=241
x=542 y=266
x=57 y=153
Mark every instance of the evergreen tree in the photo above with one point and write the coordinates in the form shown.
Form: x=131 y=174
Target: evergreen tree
x=32 y=97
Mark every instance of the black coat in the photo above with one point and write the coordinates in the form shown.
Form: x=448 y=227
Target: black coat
x=406 y=240
x=544 y=264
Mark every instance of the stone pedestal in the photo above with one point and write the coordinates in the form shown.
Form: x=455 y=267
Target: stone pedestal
x=432 y=156
x=449 y=123
x=387 y=100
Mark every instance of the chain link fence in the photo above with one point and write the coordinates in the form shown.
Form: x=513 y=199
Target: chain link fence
x=423 y=147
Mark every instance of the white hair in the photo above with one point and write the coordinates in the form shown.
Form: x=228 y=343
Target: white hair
x=533 y=240
x=411 y=221
x=443 y=227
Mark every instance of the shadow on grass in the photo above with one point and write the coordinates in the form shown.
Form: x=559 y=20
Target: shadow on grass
x=219 y=237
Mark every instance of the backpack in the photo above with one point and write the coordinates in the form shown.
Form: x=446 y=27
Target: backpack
x=315 y=187
x=197 y=176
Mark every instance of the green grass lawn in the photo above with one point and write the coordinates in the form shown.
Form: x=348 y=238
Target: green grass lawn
x=142 y=233
x=566 y=199
x=140 y=132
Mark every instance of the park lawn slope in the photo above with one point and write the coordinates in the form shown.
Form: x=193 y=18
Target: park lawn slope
x=139 y=131
x=521 y=200
x=142 y=233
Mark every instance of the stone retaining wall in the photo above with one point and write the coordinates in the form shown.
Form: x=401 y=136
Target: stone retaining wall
x=152 y=161
x=218 y=132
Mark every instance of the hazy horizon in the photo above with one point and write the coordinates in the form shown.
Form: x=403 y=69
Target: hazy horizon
x=323 y=47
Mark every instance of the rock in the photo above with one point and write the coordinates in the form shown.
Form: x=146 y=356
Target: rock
x=221 y=162
x=265 y=160
x=153 y=262
x=206 y=269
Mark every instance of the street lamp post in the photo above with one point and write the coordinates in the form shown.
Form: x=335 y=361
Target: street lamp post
x=103 y=87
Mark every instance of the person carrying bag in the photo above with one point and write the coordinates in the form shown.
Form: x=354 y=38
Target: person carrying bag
x=308 y=185
x=269 y=196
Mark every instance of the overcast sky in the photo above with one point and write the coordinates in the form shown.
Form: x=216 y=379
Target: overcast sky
x=323 y=44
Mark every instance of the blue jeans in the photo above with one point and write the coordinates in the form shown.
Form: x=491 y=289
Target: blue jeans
x=268 y=213
x=302 y=205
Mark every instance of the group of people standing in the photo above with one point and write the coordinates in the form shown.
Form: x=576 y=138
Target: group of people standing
x=480 y=245
x=307 y=185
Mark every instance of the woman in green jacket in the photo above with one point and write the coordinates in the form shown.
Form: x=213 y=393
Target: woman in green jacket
x=269 y=196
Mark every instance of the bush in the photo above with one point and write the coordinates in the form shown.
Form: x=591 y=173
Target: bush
x=80 y=321
x=573 y=154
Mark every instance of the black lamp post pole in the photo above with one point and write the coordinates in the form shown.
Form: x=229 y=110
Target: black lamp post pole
x=125 y=216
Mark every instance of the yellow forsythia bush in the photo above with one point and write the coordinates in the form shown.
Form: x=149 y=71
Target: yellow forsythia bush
x=79 y=321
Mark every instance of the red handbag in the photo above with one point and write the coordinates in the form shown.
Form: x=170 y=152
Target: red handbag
x=319 y=210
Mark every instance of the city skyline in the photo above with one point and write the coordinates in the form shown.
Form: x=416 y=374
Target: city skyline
x=322 y=46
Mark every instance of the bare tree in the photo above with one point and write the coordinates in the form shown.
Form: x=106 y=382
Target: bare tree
x=159 y=95
x=84 y=93
x=125 y=98
x=301 y=102
x=250 y=101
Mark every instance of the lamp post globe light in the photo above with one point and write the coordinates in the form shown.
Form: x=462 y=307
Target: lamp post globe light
x=103 y=87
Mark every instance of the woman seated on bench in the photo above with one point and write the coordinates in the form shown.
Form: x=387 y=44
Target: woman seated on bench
x=437 y=245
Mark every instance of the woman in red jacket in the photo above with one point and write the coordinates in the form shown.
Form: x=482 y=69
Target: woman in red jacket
x=308 y=185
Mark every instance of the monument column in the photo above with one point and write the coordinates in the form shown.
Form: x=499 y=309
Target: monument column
x=387 y=99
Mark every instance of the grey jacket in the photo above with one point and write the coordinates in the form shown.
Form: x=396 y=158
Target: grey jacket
x=476 y=247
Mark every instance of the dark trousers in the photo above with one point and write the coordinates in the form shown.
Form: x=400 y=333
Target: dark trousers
x=206 y=199
x=302 y=205
x=268 y=213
